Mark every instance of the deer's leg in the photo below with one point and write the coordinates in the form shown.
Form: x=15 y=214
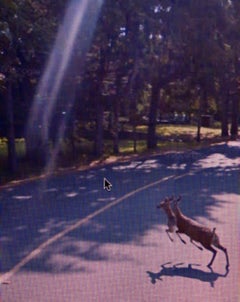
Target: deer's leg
x=167 y=231
x=183 y=241
x=219 y=246
x=214 y=254
x=199 y=247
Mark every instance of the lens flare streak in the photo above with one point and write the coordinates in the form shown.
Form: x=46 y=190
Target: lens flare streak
x=80 y=14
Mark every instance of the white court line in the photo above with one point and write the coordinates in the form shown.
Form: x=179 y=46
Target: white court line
x=4 y=278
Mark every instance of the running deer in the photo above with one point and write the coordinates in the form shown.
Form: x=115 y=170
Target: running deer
x=198 y=232
x=171 y=223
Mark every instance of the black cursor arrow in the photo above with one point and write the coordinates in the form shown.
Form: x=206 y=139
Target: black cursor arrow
x=106 y=184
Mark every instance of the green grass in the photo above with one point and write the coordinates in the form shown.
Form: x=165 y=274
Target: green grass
x=3 y=148
x=171 y=137
x=20 y=147
x=189 y=130
x=126 y=147
x=180 y=130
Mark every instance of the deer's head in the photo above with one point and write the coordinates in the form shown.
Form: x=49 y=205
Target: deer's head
x=165 y=203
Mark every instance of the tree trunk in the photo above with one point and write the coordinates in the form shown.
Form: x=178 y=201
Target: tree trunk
x=37 y=149
x=224 y=124
x=12 y=159
x=133 y=119
x=116 y=126
x=134 y=138
x=151 y=137
x=202 y=105
x=99 y=106
x=116 y=109
x=235 y=116
x=199 y=123
x=99 y=127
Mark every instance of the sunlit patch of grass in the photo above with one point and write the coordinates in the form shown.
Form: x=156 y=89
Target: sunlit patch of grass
x=178 y=130
x=3 y=149
x=127 y=146
x=19 y=145
x=142 y=128
x=190 y=130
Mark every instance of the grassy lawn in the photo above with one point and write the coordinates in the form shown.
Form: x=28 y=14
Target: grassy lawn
x=182 y=131
x=170 y=137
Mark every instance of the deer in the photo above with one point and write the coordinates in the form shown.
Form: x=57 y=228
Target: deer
x=171 y=218
x=198 y=232
x=171 y=223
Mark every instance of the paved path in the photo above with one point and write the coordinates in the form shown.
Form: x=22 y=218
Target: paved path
x=67 y=239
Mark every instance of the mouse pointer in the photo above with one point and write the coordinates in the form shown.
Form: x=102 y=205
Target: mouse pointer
x=106 y=184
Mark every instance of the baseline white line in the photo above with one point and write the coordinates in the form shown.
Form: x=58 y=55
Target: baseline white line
x=4 y=278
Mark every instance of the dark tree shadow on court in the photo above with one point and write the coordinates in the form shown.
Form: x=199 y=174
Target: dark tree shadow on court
x=187 y=272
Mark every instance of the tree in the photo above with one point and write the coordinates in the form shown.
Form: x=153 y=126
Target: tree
x=26 y=31
x=233 y=39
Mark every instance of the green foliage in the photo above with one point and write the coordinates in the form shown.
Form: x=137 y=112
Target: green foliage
x=27 y=32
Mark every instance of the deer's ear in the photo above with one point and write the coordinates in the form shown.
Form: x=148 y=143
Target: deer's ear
x=179 y=198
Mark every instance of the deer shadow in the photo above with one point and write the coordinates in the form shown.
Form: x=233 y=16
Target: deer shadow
x=186 y=272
